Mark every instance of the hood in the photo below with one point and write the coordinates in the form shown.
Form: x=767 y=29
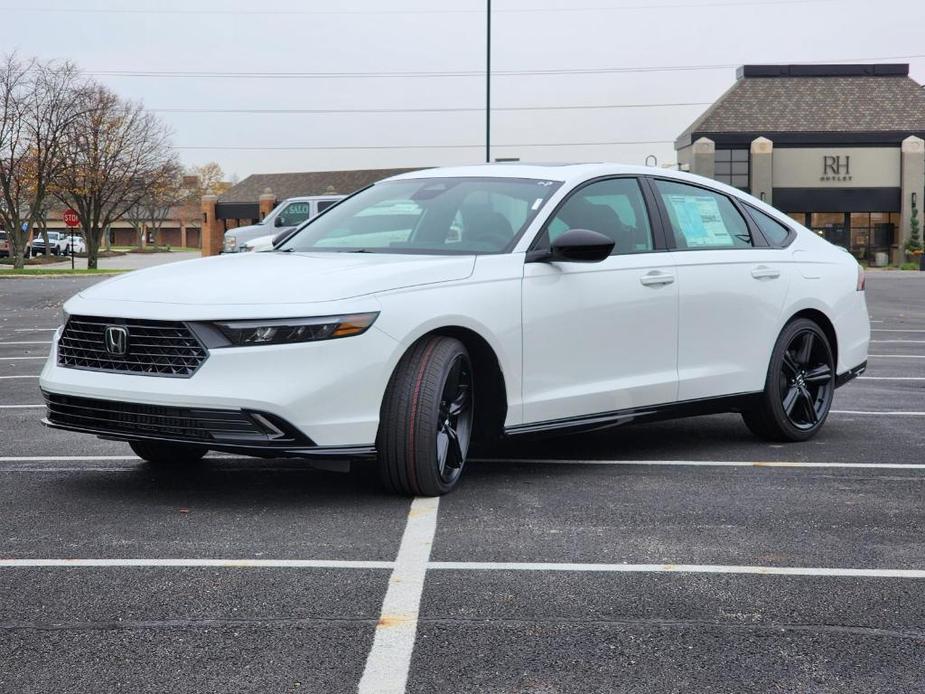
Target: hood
x=279 y=278
x=244 y=230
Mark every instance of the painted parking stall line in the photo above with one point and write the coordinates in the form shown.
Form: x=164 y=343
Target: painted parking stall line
x=894 y=413
x=44 y=342
x=389 y=659
x=705 y=463
x=8 y=378
x=196 y=563
x=44 y=356
x=891 y=378
x=677 y=568
x=896 y=356
x=22 y=407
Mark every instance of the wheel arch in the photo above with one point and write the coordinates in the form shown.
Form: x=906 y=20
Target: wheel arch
x=825 y=324
x=490 y=384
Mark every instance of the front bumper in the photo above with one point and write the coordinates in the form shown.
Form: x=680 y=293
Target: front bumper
x=328 y=392
x=231 y=431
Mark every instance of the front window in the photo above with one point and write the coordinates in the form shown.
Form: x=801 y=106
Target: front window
x=428 y=216
x=294 y=214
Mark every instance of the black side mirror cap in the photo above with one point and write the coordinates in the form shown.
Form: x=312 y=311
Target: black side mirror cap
x=575 y=246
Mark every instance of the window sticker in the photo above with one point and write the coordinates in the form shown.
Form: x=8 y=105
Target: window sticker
x=700 y=220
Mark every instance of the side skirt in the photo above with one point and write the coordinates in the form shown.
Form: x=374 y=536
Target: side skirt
x=606 y=420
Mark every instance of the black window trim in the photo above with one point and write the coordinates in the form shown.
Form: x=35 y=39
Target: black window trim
x=659 y=238
x=791 y=232
x=758 y=239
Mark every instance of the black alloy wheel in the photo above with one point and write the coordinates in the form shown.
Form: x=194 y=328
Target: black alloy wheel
x=454 y=421
x=806 y=380
x=799 y=388
x=426 y=420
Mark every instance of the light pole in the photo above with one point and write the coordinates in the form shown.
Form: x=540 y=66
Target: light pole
x=488 y=82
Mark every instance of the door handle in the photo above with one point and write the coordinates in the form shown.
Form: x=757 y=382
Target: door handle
x=763 y=272
x=656 y=279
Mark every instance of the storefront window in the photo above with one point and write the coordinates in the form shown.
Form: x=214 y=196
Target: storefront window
x=731 y=167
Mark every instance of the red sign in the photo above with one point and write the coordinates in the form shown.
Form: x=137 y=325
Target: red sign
x=70 y=218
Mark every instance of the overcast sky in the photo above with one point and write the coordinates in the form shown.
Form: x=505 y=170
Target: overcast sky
x=593 y=48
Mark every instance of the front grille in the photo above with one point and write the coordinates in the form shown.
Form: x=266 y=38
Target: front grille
x=154 y=348
x=153 y=421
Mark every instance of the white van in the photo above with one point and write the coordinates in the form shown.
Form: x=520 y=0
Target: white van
x=286 y=215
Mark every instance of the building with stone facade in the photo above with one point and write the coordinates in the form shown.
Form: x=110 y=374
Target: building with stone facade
x=839 y=148
x=255 y=196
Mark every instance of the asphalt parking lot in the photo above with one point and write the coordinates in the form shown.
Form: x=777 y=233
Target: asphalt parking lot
x=669 y=557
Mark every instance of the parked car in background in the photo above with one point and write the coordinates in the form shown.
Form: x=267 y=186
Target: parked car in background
x=286 y=216
x=6 y=248
x=447 y=306
x=59 y=243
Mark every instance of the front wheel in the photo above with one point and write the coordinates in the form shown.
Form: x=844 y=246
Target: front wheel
x=799 y=388
x=426 y=419
x=168 y=454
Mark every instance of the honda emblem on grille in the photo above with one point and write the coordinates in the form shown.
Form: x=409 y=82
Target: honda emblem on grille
x=116 y=339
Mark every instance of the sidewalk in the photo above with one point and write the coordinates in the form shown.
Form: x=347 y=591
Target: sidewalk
x=129 y=261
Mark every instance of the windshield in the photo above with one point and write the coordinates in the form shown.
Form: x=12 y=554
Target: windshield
x=428 y=216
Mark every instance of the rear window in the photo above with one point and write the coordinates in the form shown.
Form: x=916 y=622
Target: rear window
x=775 y=232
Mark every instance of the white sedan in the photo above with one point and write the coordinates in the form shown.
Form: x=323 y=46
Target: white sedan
x=448 y=306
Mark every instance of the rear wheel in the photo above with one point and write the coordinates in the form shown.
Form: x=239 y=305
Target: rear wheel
x=167 y=454
x=799 y=387
x=426 y=419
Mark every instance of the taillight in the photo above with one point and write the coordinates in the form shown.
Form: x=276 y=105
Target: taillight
x=860 y=286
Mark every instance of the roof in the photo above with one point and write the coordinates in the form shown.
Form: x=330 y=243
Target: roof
x=290 y=185
x=768 y=99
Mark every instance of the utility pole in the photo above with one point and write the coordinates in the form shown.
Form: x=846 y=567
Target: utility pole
x=488 y=82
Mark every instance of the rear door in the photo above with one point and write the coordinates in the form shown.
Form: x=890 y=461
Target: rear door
x=732 y=288
x=600 y=337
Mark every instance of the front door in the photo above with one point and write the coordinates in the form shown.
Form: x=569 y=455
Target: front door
x=600 y=337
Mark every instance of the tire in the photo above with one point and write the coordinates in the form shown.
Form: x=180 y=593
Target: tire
x=168 y=454
x=425 y=425
x=799 y=386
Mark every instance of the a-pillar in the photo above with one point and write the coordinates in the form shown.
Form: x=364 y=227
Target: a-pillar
x=762 y=174
x=213 y=233
x=913 y=187
x=703 y=157
x=267 y=202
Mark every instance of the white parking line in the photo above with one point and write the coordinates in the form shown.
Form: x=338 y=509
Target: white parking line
x=21 y=407
x=61 y=458
x=891 y=378
x=896 y=356
x=704 y=463
x=47 y=342
x=898 y=413
x=676 y=568
x=220 y=563
x=11 y=377
x=389 y=659
x=902 y=342
x=44 y=356
x=394 y=674
x=895 y=330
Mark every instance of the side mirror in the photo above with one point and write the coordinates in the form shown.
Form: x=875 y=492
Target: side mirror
x=576 y=246
x=279 y=221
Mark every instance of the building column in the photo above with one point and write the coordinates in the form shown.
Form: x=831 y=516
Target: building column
x=212 y=235
x=267 y=202
x=183 y=234
x=913 y=184
x=762 y=178
x=703 y=157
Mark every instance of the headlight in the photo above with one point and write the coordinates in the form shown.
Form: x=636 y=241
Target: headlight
x=291 y=330
x=230 y=243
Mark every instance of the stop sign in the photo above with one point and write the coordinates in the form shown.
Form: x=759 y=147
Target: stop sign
x=70 y=218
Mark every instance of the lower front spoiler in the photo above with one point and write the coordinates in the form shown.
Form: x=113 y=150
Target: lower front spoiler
x=259 y=450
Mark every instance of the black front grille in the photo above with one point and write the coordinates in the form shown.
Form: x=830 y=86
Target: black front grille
x=152 y=421
x=153 y=348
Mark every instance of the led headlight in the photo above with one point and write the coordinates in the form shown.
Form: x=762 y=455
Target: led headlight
x=290 y=330
x=230 y=242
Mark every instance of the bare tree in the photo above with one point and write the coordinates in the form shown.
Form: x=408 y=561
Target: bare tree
x=39 y=105
x=117 y=153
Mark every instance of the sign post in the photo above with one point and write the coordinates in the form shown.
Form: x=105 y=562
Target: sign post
x=71 y=219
